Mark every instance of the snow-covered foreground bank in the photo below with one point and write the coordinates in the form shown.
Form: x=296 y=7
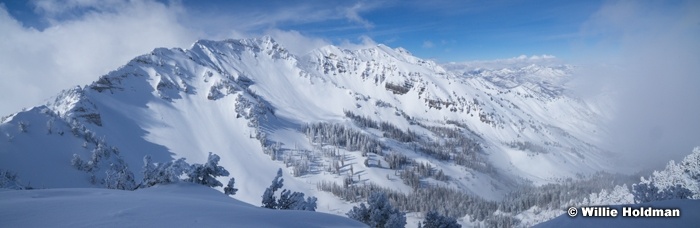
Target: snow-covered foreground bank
x=689 y=210
x=176 y=205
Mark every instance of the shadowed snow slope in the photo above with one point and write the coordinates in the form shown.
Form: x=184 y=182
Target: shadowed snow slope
x=177 y=205
x=689 y=209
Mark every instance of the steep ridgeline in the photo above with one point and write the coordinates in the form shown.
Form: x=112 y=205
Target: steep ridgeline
x=372 y=116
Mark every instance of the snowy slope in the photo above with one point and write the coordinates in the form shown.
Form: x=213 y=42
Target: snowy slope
x=675 y=186
x=690 y=209
x=249 y=100
x=178 y=205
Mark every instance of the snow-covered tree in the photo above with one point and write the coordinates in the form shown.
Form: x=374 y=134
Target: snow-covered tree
x=647 y=192
x=295 y=201
x=269 y=200
x=360 y=213
x=379 y=213
x=78 y=163
x=620 y=194
x=229 y=189
x=435 y=220
x=309 y=205
x=677 y=181
x=205 y=174
x=644 y=192
x=149 y=172
x=685 y=173
x=119 y=177
x=9 y=180
x=101 y=158
x=163 y=173
x=288 y=200
x=676 y=192
x=285 y=200
x=175 y=171
x=23 y=126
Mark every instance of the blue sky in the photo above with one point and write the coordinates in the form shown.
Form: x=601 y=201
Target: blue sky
x=50 y=45
x=443 y=30
x=645 y=52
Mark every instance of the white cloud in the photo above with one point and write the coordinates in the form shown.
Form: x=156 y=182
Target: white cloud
x=647 y=53
x=363 y=42
x=353 y=14
x=54 y=8
x=296 y=42
x=428 y=44
x=514 y=62
x=539 y=57
x=256 y=18
x=35 y=64
x=88 y=38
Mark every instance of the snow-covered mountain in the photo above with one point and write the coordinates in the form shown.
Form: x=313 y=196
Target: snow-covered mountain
x=377 y=115
x=177 y=205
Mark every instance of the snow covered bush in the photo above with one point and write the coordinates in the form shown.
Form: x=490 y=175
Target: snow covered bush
x=79 y=164
x=379 y=213
x=119 y=177
x=647 y=192
x=435 y=220
x=341 y=136
x=229 y=189
x=162 y=173
x=295 y=201
x=685 y=173
x=269 y=200
x=620 y=194
x=288 y=200
x=676 y=192
x=102 y=157
x=300 y=167
x=179 y=170
x=677 y=181
x=205 y=174
x=9 y=180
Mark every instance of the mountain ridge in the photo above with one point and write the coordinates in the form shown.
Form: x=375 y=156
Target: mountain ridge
x=250 y=100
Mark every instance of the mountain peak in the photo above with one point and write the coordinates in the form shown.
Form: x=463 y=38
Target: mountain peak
x=256 y=105
x=264 y=44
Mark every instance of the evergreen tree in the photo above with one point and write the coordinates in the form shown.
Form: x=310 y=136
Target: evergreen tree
x=79 y=164
x=359 y=213
x=435 y=220
x=163 y=173
x=676 y=192
x=645 y=192
x=172 y=171
x=380 y=213
x=205 y=174
x=9 y=180
x=285 y=201
x=149 y=173
x=269 y=200
x=288 y=200
x=309 y=205
x=119 y=177
x=229 y=189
